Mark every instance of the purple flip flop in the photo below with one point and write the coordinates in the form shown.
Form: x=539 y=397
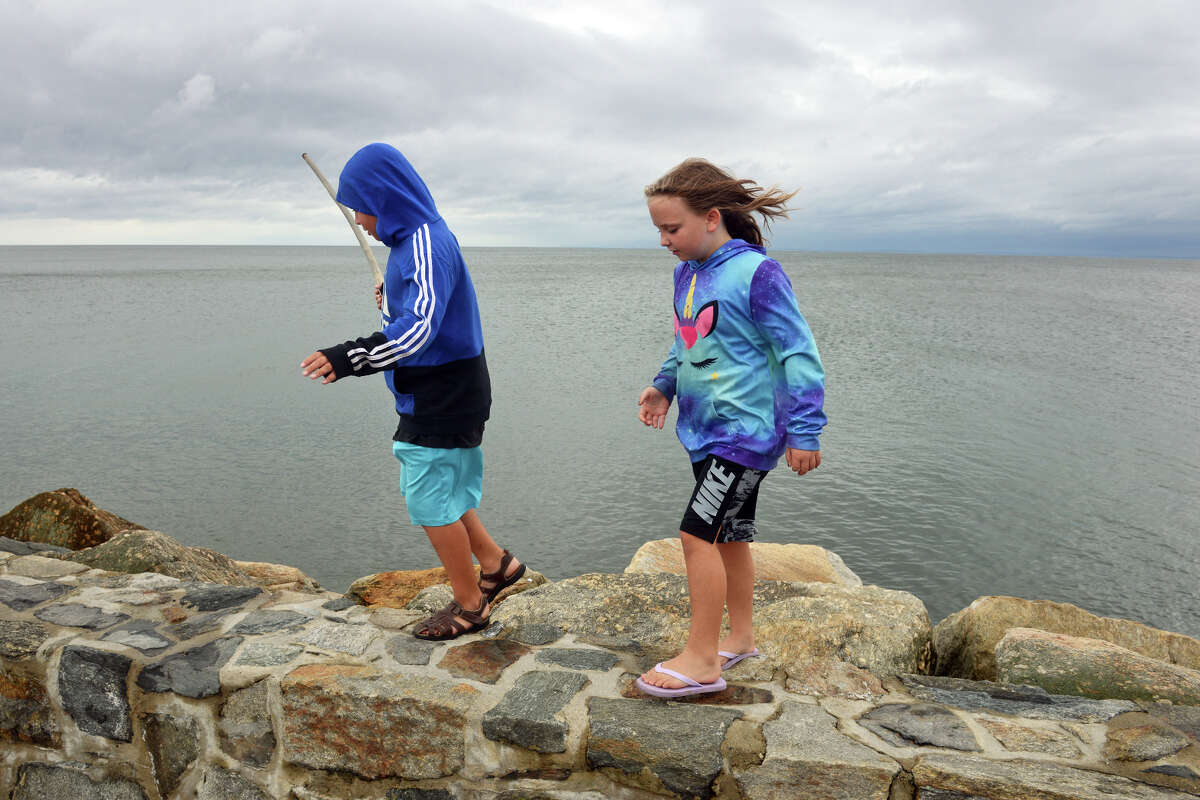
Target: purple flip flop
x=692 y=686
x=734 y=658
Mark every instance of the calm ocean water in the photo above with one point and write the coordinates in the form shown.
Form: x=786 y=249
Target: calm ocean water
x=998 y=425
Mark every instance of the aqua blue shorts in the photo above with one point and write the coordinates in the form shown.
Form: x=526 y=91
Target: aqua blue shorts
x=439 y=485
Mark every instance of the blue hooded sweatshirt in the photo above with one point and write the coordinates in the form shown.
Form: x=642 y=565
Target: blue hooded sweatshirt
x=744 y=367
x=431 y=342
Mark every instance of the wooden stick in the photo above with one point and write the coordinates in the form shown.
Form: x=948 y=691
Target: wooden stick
x=362 y=240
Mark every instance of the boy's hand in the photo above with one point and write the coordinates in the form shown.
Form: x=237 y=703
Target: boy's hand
x=318 y=366
x=652 y=407
x=379 y=296
x=802 y=461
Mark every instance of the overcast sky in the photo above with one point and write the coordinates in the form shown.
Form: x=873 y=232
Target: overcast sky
x=1025 y=127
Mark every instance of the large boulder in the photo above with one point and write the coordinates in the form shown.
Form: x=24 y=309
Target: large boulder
x=964 y=642
x=1074 y=665
x=65 y=518
x=882 y=631
x=396 y=589
x=807 y=563
x=153 y=551
x=278 y=577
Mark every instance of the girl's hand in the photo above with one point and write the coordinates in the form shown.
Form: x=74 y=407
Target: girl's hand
x=652 y=407
x=802 y=461
x=379 y=296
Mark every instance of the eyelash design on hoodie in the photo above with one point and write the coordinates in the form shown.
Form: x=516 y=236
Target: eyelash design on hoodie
x=708 y=362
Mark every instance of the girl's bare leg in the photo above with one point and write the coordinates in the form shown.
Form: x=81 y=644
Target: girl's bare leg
x=739 y=597
x=706 y=588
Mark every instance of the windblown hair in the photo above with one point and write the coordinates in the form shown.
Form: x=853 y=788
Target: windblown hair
x=703 y=185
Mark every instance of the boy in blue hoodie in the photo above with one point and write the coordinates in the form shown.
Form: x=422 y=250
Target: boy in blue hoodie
x=431 y=351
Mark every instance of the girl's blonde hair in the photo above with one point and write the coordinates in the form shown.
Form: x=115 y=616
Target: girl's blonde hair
x=703 y=185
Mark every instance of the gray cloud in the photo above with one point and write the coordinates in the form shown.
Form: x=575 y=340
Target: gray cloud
x=1067 y=127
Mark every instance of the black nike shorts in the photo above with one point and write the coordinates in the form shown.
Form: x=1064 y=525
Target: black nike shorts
x=723 y=504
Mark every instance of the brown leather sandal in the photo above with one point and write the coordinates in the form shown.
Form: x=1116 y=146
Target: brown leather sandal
x=445 y=624
x=493 y=583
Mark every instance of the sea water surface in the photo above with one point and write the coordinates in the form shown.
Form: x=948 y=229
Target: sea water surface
x=998 y=425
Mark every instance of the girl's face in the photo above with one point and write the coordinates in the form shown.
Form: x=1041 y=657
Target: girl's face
x=688 y=235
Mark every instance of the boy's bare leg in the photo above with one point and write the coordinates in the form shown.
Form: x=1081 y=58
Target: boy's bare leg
x=486 y=551
x=706 y=588
x=452 y=543
x=739 y=596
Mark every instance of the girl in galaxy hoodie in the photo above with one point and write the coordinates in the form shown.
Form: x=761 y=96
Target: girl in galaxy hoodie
x=749 y=386
x=430 y=348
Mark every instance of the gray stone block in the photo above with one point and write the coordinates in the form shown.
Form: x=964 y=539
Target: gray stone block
x=257 y=623
x=921 y=724
x=75 y=615
x=20 y=596
x=805 y=749
x=1017 y=701
x=91 y=684
x=528 y=714
x=52 y=782
x=408 y=649
x=206 y=597
x=141 y=635
x=245 y=728
x=679 y=744
x=193 y=673
x=578 y=658
x=224 y=784
x=174 y=745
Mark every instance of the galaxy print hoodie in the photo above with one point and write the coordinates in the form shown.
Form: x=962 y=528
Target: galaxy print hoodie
x=744 y=369
x=431 y=341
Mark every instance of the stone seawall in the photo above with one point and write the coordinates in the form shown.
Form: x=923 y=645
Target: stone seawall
x=145 y=687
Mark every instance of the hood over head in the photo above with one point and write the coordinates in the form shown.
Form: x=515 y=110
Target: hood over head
x=378 y=180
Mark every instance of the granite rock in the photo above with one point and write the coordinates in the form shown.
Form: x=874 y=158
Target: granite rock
x=374 y=724
x=1143 y=743
x=245 y=728
x=64 y=518
x=1091 y=668
x=974 y=776
x=26 y=713
x=173 y=742
x=648 y=614
x=91 y=684
x=153 y=551
x=484 y=660
x=804 y=563
x=965 y=642
x=278 y=576
x=223 y=784
x=20 y=640
x=528 y=714
x=54 y=782
x=805 y=749
x=1025 y=701
x=658 y=745
x=406 y=649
